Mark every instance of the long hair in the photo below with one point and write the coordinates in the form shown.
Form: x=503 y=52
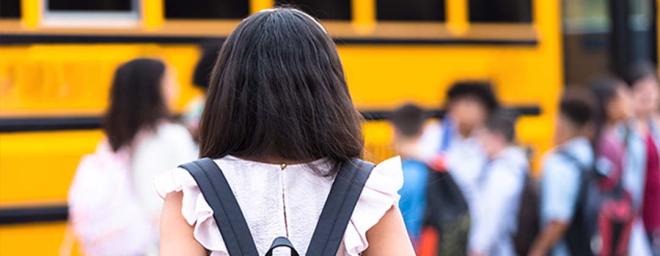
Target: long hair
x=136 y=101
x=278 y=90
x=604 y=90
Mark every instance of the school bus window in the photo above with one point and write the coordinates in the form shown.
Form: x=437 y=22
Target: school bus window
x=585 y=26
x=322 y=9
x=411 y=10
x=506 y=11
x=10 y=9
x=74 y=13
x=206 y=9
x=87 y=5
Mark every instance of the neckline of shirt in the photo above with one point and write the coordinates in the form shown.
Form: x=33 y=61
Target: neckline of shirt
x=321 y=163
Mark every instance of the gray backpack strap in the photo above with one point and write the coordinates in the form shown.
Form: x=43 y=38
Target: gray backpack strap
x=339 y=207
x=226 y=211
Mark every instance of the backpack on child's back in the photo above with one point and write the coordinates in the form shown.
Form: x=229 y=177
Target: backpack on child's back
x=528 y=218
x=603 y=217
x=447 y=212
x=330 y=228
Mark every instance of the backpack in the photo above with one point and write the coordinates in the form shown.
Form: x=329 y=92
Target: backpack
x=331 y=226
x=104 y=211
x=446 y=207
x=447 y=211
x=528 y=217
x=603 y=217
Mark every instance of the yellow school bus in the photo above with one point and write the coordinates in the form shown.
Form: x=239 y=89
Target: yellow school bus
x=57 y=58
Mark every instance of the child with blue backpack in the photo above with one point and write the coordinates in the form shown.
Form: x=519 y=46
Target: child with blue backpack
x=408 y=121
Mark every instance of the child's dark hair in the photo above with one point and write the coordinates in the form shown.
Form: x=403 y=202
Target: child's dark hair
x=604 y=90
x=136 y=101
x=408 y=119
x=482 y=91
x=577 y=106
x=204 y=66
x=504 y=123
x=278 y=90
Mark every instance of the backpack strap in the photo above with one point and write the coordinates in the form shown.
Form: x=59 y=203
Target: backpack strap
x=574 y=160
x=446 y=134
x=226 y=211
x=338 y=208
x=282 y=242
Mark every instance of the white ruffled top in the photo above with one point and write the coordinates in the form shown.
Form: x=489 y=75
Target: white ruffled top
x=284 y=202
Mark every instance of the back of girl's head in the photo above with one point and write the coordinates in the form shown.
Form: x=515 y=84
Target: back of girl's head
x=278 y=90
x=136 y=101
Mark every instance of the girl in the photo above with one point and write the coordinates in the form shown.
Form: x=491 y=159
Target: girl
x=117 y=180
x=643 y=173
x=611 y=142
x=279 y=122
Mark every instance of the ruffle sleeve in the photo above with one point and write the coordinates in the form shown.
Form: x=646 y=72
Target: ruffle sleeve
x=379 y=195
x=194 y=208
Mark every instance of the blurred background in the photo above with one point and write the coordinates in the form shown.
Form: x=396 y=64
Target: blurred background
x=57 y=58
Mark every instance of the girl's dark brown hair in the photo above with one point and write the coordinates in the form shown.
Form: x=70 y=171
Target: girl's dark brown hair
x=136 y=101
x=278 y=90
x=604 y=89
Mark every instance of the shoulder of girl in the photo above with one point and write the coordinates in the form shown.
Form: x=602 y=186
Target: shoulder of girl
x=388 y=173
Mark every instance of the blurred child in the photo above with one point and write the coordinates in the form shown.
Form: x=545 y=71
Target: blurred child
x=611 y=144
x=643 y=164
x=560 y=183
x=469 y=104
x=408 y=121
x=451 y=149
x=113 y=206
x=499 y=186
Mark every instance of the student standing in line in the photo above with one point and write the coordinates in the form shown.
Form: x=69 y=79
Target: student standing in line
x=408 y=121
x=451 y=149
x=643 y=164
x=469 y=104
x=560 y=183
x=499 y=186
x=612 y=147
x=112 y=204
x=279 y=130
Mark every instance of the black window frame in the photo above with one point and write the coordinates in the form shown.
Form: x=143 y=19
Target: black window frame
x=386 y=11
x=239 y=10
x=479 y=15
x=10 y=9
x=323 y=13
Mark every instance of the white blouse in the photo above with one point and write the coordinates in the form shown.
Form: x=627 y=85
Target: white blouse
x=284 y=202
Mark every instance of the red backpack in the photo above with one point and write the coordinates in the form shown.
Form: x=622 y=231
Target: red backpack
x=603 y=217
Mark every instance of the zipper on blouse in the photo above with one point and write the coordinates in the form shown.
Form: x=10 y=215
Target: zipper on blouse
x=286 y=223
